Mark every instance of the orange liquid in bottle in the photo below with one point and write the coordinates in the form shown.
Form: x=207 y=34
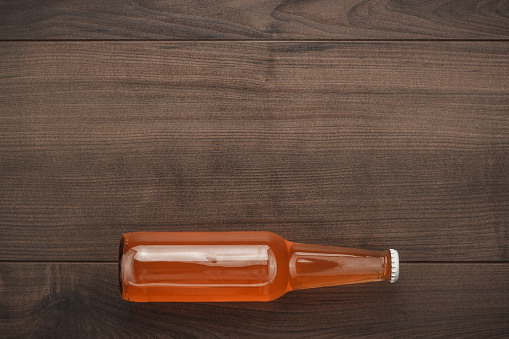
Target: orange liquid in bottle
x=236 y=266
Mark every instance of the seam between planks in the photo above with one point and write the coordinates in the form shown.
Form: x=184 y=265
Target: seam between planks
x=259 y=40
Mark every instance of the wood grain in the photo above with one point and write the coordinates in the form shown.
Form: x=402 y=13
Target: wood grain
x=373 y=145
x=379 y=128
x=280 y=19
x=82 y=299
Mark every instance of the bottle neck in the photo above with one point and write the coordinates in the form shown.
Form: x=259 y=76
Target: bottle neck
x=315 y=266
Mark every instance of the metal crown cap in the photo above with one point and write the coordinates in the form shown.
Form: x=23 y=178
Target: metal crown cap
x=394 y=265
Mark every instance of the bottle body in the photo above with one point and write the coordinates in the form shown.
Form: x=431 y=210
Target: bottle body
x=202 y=266
x=236 y=266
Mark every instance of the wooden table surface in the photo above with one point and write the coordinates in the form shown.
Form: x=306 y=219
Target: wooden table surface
x=369 y=124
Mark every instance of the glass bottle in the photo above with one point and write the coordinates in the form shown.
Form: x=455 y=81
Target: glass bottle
x=239 y=266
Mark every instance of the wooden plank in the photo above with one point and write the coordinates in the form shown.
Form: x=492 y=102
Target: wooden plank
x=82 y=299
x=374 y=145
x=256 y=19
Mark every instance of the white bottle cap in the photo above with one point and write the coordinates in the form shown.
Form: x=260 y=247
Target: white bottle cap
x=394 y=265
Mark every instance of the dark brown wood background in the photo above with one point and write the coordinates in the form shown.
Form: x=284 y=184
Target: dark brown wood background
x=370 y=124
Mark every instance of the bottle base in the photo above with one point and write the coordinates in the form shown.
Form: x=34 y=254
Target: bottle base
x=120 y=265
